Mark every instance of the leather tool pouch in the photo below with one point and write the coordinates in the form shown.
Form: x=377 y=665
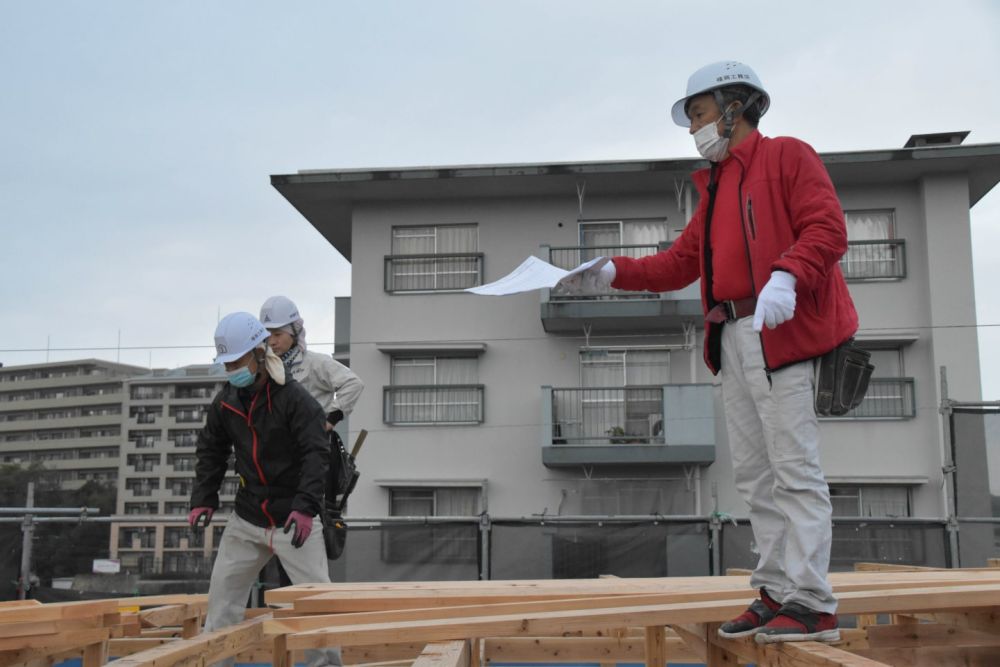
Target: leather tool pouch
x=842 y=376
x=334 y=533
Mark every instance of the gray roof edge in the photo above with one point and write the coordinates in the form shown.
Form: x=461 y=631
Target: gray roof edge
x=605 y=167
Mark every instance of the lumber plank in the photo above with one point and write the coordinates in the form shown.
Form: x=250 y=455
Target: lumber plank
x=693 y=636
x=95 y=655
x=819 y=655
x=655 y=652
x=206 y=648
x=57 y=611
x=162 y=600
x=58 y=641
x=694 y=587
x=561 y=622
x=927 y=634
x=119 y=648
x=477 y=590
x=936 y=656
x=445 y=654
x=579 y=650
x=893 y=567
x=985 y=620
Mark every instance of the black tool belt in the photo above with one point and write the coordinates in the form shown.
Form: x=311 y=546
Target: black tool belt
x=730 y=311
x=842 y=376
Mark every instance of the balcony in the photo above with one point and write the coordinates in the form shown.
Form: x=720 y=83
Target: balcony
x=440 y=272
x=433 y=404
x=618 y=310
x=670 y=424
x=887 y=398
x=874 y=260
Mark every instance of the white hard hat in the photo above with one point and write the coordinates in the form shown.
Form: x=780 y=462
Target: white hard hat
x=278 y=311
x=719 y=75
x=237 y=334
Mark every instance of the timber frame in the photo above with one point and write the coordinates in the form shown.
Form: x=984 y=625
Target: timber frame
x=904 y=616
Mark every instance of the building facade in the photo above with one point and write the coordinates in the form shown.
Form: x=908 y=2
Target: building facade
x=66 y=416
x=162 y=414
x=537 y=405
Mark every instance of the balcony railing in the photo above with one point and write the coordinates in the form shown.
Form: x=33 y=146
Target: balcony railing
x=887 y=398
x=631 y=425
x=569 y=257
x=440 y=272
x=433 y=404
x=874 y=260
x=608 y=415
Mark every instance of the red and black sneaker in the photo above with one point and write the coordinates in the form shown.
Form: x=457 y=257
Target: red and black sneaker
x=752 y=620
x=797 y=623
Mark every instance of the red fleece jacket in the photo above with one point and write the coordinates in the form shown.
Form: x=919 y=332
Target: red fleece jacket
x=791 y=221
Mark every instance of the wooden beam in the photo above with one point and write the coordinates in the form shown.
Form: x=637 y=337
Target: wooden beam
x=119 y=648
x=984 y=620
x=96 y=654
x=927 y=634
x=206 y=648
x=560 y=622
x=446 y=654
x=58 y=641
x=655 y=652
x=815 y=654
x=580 y=650
x=892 y=567
x=936 y=656
x=693 y=637
x=161 y=600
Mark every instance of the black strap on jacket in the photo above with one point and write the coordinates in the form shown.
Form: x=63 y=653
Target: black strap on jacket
x=715 y=335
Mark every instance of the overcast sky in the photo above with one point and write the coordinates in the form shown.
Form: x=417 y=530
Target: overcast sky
x=137 y=138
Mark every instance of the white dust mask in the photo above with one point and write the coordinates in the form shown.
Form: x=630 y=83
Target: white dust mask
x=710 y=145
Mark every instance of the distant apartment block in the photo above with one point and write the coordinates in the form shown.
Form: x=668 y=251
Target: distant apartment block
x=162 y=413
x=65 y=415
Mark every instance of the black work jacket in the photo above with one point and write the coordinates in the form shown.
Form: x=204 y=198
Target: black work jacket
x=282 y=452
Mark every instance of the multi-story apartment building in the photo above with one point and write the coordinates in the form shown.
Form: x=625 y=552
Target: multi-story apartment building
x=537 y=404
x=66 y=415
x=162 y=413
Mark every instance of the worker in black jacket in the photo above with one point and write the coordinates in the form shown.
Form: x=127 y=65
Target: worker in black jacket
x=282 y=458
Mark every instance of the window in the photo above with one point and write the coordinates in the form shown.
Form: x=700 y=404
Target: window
x=432 y=543
x=186 y=438
x=434 y=390
x=429 y=259
x=877 y=541
x=873 y=251
x=870 y=501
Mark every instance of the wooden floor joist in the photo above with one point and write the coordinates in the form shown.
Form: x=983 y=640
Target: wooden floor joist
x=935 y=617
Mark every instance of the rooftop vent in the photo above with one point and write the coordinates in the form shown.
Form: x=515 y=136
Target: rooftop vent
x=936 y=139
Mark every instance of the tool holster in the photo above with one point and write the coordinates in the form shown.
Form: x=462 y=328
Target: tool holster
x=842 y=376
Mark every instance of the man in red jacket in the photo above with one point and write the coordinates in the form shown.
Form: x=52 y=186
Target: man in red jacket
x=765 y=240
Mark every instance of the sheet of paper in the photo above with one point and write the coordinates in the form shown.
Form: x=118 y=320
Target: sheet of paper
x=532 y=274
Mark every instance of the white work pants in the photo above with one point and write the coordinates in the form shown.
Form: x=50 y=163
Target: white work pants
x=774 y=441
x=245 y=549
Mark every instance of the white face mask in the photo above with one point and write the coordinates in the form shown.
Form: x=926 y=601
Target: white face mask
x=710 y=145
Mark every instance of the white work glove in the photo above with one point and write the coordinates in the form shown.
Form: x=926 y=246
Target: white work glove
x=589 y=281
x=776 y=302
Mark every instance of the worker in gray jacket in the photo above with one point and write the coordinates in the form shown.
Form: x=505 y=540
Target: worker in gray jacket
x=334 y=385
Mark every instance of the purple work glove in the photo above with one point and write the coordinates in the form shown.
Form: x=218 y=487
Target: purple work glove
x=303 y=526
x=200 y=516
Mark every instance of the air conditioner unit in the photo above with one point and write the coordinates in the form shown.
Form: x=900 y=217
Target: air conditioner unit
x=655 y=425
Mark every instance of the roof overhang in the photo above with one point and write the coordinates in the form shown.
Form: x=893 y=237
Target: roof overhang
x=327 y=198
